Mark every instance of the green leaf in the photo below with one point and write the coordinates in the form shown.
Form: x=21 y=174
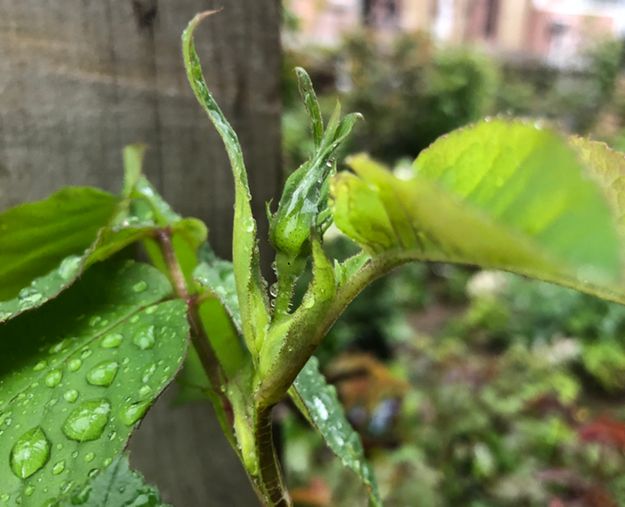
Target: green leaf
x=307 y=91
x=116 y=486
x=608 y=167
x=217 y=276
x=250 y=284
x=78 y=374
x=500 y=194
x=44 y=241
x=324 y=411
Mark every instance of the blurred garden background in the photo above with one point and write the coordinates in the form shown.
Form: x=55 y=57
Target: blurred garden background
x=469 y=388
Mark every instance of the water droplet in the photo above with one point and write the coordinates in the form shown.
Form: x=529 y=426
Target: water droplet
x=145 y=391
x=145 y=339
x=133 y=412
x=86 y=352
x=40 y=365
x=111 y=341
x=30 y=489
x=322 y=411
x=74 y=364
x=95 y=320
x=140 y=286
x=58 y=347
x=87 y=421
x=53 y=378
x=30 y=453
x=89 y=457
x=5 y=497
x=69 y=267
x=29 y=296
x=71 y=395
x=149 y=371
x=58 y=468
x=103 y=374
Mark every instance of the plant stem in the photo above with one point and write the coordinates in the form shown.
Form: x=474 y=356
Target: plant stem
x=313 y=327
x=199 y=339
x=269 y=480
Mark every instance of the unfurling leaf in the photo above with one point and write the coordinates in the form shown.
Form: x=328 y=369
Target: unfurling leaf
x=500 y=194
x=250 y=284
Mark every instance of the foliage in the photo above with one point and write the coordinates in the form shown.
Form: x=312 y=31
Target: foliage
x=410 y=93
x=496 y=416
x=98 y=337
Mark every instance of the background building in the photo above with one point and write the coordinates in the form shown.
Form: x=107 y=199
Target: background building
x=556 y=31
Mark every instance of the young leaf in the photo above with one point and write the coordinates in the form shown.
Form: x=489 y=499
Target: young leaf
x=608 y=167
x=249 y=281
x=45 y=241
x=500 y=194
x=115 y=486
x=319 y=403
x=79 y=373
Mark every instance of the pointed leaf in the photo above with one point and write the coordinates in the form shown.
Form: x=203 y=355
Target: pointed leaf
x=324 y=411
x=500 y=194
x=78 y=374
x=249 y=281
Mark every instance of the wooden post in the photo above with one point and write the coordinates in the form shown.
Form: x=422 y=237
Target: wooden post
x=79 y=79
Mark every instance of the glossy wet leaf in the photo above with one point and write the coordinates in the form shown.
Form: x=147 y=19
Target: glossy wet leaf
x=500 y=194
x=250 y=284
x=323 y=409
x=44 y=242
x=217 y=276
x=78 y=373
x=117 y=485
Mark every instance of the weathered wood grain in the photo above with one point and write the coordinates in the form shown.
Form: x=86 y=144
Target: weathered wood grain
x=79 y=79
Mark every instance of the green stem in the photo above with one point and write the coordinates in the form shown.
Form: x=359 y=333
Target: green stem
x=313 y=327
x=199 y=339
x=269 y=480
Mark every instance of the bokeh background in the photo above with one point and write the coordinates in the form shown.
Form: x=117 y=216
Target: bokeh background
x=469 y=388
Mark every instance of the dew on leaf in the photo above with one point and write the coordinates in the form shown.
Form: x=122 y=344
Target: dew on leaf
x=140 y=286
x=58 y=347
x=133 y=412
x=147 y=374
x=69 y=267
x=58 y=468
x=71 y=395
x=111 y=341
x=30 y=453
x=87 y=421
x=146 y=339
x=86 y=352
x=103 y=373
x=74 y=364
x=53 y=378
x=89 y=457
x=29 y=490
x=29 y=296
x=145 y=391
x=40 y=365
